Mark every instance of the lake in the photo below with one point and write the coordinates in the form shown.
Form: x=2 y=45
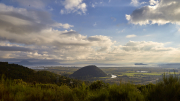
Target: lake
x=113 y=76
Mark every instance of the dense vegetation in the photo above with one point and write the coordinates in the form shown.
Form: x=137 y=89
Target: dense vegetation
x=16 y=89
x=14 y=71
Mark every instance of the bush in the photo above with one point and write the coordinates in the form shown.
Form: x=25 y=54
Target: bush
x=17 y=90
x=124 y=92
x=98 y=85
x=166 y=90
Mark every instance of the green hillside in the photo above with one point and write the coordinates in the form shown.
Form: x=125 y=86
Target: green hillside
x=14 y=71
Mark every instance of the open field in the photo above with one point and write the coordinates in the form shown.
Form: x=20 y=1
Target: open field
x=134 y=74
x=137 y=75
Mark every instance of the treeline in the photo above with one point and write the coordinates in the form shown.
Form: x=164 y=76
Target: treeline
x=15 y=88
x=15 y=71
x=18 y=90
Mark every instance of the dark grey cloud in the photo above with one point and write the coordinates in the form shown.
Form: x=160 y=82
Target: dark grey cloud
x=27 y=26
x=137 y=14
x=26 y=21
x=20 y=29
x=61 y=44
x=18 y=23
x=13 y=48
x=70 y=33
x=93 y=39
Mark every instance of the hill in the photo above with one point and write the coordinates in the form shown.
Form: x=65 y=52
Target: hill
x=15 y=71
x=88 y=71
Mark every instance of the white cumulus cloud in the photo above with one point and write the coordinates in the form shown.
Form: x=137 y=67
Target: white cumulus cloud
x=136 y=3
x=130 y=36
x=158 y=12
x=72 y=6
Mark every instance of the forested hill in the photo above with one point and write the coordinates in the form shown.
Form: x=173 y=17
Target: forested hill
x=15 y=71
x=88 y=71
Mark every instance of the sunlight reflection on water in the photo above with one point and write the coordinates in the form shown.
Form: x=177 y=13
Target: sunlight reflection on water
x=113 y=76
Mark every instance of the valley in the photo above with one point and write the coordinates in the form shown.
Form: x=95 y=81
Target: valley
x=135 y=75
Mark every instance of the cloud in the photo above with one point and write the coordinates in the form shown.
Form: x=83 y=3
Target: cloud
x=130 y=36
x=12 y=48
x=158 y=12
x=93 y=5
x=136 y=3
x=145 y=46
x=93 y=38
x=36 y=31
x=22 y=21
x=72 y=6
x=60 y=25
x=153 y=2
x=37 y=37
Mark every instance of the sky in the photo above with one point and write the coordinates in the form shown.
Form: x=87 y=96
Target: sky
x=100 y=32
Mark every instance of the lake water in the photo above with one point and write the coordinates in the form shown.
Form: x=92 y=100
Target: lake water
x=142 y=71
x=113 y=76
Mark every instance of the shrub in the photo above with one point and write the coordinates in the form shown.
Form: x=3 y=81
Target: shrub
x=98 y=85
x=166 y=90
x=19 y=81
x=124 y=92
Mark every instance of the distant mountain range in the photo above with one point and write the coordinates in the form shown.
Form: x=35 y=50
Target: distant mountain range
x=170 y=65
x=139 y=64
x=25 y=62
